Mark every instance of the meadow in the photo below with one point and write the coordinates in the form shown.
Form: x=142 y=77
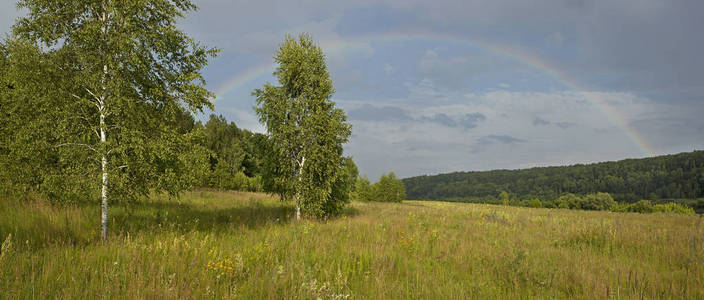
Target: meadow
x=209 y=244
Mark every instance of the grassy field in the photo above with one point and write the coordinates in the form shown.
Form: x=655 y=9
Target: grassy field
x=244 y=245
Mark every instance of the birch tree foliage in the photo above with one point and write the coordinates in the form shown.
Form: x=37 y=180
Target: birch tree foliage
x=113 y=77
x=388 y=189
x=22 y=94
x=307 y=132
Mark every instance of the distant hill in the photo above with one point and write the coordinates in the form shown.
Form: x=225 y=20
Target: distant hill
x=678 y=176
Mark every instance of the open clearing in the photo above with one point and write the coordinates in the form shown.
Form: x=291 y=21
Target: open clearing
x=245 y=245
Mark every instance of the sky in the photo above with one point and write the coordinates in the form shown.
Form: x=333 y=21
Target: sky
x=465 y=85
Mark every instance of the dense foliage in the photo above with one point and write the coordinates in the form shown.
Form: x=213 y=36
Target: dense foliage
x=234 y=155
x=362 y=189
x=97 y=89
x=670 y=176
x=646 y=206
x=388 y=189
x=306 y=130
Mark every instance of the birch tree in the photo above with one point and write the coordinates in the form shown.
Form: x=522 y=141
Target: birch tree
x=119 y=72
x=388 y=189
x=306 y=131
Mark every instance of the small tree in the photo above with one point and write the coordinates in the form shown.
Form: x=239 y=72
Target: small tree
x=114 y=77
x=389 y=189
x=535 y=203
x=362 y=189
x=598 y=201
x=307 y=132
x=569 y=201
x=503 y=196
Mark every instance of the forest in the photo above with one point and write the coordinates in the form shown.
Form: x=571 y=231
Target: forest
x=677 y=176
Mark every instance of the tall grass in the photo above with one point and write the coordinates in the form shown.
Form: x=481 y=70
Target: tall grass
x=245 y=245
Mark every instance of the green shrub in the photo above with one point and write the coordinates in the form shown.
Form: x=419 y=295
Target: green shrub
x=254 y=184
x=569 y=200
x=598 y=201
x=646 y=207
x=535 y=203
x=673 y=208
x=642 y=206
x=621 y=207
x=504 y=198
x=239 y=182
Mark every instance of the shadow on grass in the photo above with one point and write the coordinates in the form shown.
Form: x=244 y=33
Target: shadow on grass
x=41 y=225
x=184 y=217
x=349 y=211
x=181 y=217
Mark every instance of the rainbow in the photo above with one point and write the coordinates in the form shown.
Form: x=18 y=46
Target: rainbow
x=497 y=49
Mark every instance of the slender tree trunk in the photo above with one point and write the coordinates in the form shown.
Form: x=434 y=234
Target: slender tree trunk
x=298 y=207
x=298 y=192
x=104 y=187
x=102 y=108
x=103 y=165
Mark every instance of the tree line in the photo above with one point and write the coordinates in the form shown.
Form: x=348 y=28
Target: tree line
x=598 y=201
x=678 y=176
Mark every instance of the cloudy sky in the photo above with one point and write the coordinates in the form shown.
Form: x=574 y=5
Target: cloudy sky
x=441 y=86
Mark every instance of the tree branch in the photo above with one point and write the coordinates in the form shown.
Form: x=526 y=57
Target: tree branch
x=97 y=99
x=77 y=144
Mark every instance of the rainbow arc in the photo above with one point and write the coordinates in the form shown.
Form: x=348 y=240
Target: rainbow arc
x=513 y=53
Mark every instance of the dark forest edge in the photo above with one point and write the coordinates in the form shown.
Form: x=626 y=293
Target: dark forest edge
x=637 y=185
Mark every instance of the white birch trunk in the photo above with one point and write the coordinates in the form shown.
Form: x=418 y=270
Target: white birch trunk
x=104 y=187
x=104 y=159
x=298 y=192
x=298 y=207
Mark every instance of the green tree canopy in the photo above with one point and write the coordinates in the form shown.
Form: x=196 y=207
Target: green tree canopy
x=504 y=198
x=306 y=130
x=389 y=189
x=113 y=79
x=598 y=201
x=362 y=189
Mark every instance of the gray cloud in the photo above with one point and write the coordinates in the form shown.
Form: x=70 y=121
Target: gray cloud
x=471 y=120
x=368 y=112
x=538 y=121
x=467 y=121
x=442 y=119
x=565 y=125
x=493 y=138
x=488 y=140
